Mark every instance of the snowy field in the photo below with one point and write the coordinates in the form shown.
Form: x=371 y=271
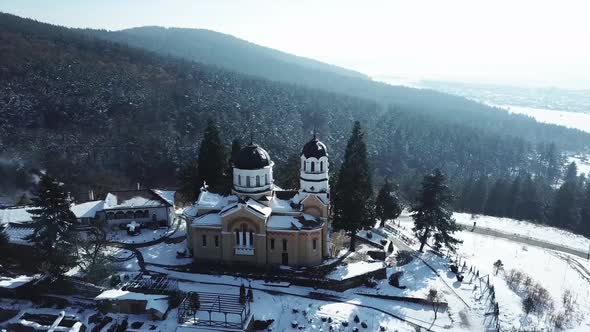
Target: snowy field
x=510 y=226
x=165 y=253
x=551 y=270
x=526 y=229
x=583 y=163
x=579 y=121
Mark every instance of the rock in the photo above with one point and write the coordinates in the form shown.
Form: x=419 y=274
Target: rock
x=329 y=319
x=364 y=325
x=295 y=310
x=345 y=323
x=382 y=328
x=356 y=319
x=294 y=324
x=324 y=318
x=356 y=329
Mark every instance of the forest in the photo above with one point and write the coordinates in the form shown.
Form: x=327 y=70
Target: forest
x=102 y=115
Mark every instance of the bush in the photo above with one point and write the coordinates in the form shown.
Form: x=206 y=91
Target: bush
x=403 y=257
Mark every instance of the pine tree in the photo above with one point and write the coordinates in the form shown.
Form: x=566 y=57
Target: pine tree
x=353 y=195
x=431 y=214
x=235 y=150
x=530 y=206
x=514 y=198
x=287 y=176
x=188 y=176
x=387 y=204
x=497 y=202
x=211 y=160
x=54 y=236
x=566 y=210
x=478 y=196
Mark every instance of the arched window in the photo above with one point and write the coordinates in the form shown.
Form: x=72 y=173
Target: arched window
x=248 y=181
x=312 y=167
x=266 y=179
x=251 y=239
x=243 y=235
x=237 y=237
x=321 y=166
x=110 y=216
x=138 y=215
x=129 y=215
x=120 y=215
x=284 y=244
x=239 y=180
x=257 y=180
x=305 y=166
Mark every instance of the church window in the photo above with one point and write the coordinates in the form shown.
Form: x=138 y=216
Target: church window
x=237 y=237
x=314 y=244
x=321 y=166
x=251 y=239
x=257 y=180
x=239 y=180
x=284 y=244
x=305 y=166
x=204 y=240
x=248 y=181
x=216 y=241
x=265 y=178
x=272 y=244
x=312 y=167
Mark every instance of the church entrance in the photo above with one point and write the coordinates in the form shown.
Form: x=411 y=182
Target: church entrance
x=285 y=259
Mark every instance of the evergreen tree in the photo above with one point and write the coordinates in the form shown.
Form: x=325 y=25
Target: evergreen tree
x=497 y=202
x=188 y=177
x=287 y=176
x=211 y=160
x=54 y=236
x=477 y=197
x=353 y=195
x=387 y=204
x=235 y=150
x=565 y=211
x=514 y=198
x=571 y=173
x=530 y=206
x=23 y=200
x=4 y=238
x=431 y=214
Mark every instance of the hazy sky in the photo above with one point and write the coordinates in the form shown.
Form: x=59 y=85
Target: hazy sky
x=532 y=42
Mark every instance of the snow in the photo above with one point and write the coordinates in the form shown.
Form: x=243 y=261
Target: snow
x=210 y=219
x=16 y=216
x=18 y=234
x=582 y=162
x=87 y=209
x=112 y=202
x=526 y=229
x=546 y=267
x=354 y=269
x=156 y=302
x=283 y=222
x=281 y=205
x=16 y=282
x=166 y=195
x=165 y=254
x=575 y=120
x=212 y=201
x=145 y=235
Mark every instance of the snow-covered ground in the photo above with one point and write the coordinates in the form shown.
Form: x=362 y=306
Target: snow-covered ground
x=146 y=235
x=524 y=228
x=165 y=253
x=579 y=121
x=545 y=266
x=583 y=163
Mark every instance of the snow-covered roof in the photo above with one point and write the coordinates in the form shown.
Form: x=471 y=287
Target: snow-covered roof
x=134 y=199
x=118 y=294
x=213 y=201
x=282 y=205
x=259 y=209
x=166 y=195
x=15 y=215
x=19 y=234
x=211 y=219
x=15 y=282
x=354 y=269
x=88 y=209
x=302 y=221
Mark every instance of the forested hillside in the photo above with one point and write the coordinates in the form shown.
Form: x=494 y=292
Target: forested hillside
x=101 y=115
x=228 y=52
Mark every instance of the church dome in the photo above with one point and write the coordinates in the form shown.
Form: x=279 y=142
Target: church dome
x=314 y=149
x=252 y=157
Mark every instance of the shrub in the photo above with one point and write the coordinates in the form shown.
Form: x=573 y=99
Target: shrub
x=403 y=257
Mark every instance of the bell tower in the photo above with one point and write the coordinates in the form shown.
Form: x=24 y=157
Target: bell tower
x=313 y=175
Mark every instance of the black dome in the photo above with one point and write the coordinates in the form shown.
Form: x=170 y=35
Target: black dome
x=252 y=157
x=315 y=149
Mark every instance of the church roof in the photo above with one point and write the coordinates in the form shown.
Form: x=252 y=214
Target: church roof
x=303 y=221
x=252 y=156
x=314 y=149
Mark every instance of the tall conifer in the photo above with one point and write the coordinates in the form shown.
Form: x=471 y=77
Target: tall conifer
x=431 y=213
x=353 y=195
x=387 y=204
x=211 y=161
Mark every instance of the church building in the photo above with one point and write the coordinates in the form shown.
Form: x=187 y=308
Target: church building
x=260 y=223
